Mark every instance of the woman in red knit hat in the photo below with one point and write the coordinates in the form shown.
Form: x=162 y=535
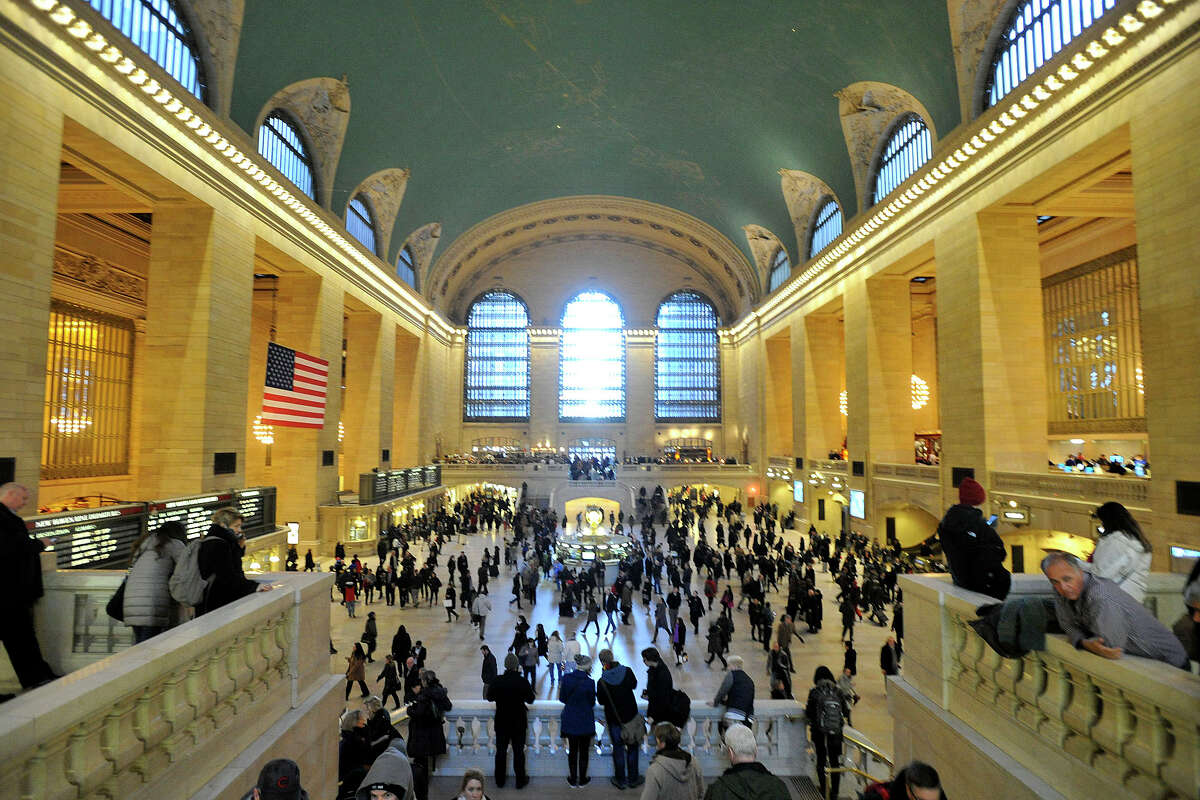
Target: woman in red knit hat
x=973 y=549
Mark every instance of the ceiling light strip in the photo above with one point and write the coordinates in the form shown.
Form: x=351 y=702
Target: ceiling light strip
x=1087 y=56
x=113 y=59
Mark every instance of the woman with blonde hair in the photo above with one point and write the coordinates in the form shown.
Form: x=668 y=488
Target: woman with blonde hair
x=472 y=786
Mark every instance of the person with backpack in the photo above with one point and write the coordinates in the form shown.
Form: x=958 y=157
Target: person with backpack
x=148 y=607
x=826 y=711
x=213 y=564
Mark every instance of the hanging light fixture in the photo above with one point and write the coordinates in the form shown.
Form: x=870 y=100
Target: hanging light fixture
x=341 y=431
x=843 y=404
x=263 y=432
x=920 y=393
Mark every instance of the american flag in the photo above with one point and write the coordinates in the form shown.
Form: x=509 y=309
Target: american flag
x=294 y=395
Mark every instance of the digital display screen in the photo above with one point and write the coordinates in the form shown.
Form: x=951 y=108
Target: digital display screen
x=376 y=487
x=194 y=512
x=94 y=538
x=798 y=491
x=858 y=504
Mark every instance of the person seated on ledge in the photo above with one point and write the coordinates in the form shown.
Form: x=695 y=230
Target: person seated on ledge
x=1100 y=618
x=974 y=551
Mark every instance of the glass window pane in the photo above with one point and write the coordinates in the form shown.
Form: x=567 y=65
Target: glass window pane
x=909 y=146
x=687 y=365
x=592 y=359
x=496 y=380
x=157 y=30
x=280 y=143
x=781 y=267
x=405 y=267
x=360 y=223
x=827 y=226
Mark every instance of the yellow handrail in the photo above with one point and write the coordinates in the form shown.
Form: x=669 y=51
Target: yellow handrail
x=830 y=770
x=868 y=749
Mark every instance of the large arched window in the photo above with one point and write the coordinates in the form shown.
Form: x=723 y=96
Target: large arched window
x=360 y=222
x=280 y=142
x=156 y=28
x=781 y=267
x=1036 y=31
x=591 y=359
x=687 y=364
x=827 y=226
x=406 y=268
x=496 y=378
x=908 y=147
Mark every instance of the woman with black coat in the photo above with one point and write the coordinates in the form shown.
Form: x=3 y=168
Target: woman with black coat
x=220 y=560
x=401 y=645
x=426 y=730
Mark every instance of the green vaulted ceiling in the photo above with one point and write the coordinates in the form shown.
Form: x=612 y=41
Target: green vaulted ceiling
x=694 y=104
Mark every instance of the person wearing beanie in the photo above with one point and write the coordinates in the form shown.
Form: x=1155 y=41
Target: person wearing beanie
x=974 y=551
x=511 y=693
x=278 y=780
x=391 y=772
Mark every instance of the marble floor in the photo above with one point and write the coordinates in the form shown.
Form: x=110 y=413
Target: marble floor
x=454 y=647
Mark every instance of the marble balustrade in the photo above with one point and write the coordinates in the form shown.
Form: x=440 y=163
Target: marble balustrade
x=470 y=735
x=167 y=717
x=1083 y=724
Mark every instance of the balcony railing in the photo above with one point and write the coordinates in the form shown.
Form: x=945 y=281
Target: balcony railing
x=470 y=735
x=919 y=473
x=827 y=465
x=1093 y=489
x=168 y=718
x=1086 y=725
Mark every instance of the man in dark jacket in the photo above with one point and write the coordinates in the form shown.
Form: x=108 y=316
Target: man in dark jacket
x=659 y=687
x=20 y=588
x=391 y=680
x=918 y=781
x=614 y=690
x=889 y=657
x=974 y=551
x=746 y=778
x=487 y=673
x=511 y=693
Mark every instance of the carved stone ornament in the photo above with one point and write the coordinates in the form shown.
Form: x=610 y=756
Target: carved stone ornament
x=423 y=242
x=764 y=245
x=322 y=107
x=867 y=110
x=384 y=191
x=802 y=191
x=217 y=25
x=99 y=275
x=973 y=35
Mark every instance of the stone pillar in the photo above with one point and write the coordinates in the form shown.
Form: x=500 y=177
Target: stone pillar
x=543 y=408
x=991 y=352
x=197 y=349
x=1166 y=183
x=406 y=399
x=798 y=345
x=29 y=162
x=639 y=397
x=777 y=382
x=309 y=320
x=370 y=374
x=824 y=367
x=879 y=369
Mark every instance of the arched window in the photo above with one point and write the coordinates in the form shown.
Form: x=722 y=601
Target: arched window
x=827 y=226
x=496 y=378
x=156 y=28
x=592 y=359
x=781 y=267
x=360 y=222
x=908 y=147
x=1037 y=30
x=687 y=365
x=405 y=266
x=280 y=142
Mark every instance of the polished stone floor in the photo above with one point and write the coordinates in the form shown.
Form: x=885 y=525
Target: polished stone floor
x=454 y=647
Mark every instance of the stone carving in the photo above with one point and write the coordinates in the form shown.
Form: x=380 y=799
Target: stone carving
x=803 y=191
x=384 y=191
x=322 y=107
x=217 y=25
x=764 y=245
x=974 y=30
x=423 y=242
x=867 y=110
x=99 y=275
x=641 y=219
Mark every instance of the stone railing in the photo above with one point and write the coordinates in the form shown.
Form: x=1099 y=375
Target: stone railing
x=1084 y=725
x=193 y=712
x=470 y=734
x=920 y=473
x=826 y=465
x=1082 y=488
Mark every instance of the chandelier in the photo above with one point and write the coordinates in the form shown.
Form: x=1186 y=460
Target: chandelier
x=920 y=393
x=263 y=432
x=843 y=403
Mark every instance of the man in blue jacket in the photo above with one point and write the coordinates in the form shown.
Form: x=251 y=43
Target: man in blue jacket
x=614 y=690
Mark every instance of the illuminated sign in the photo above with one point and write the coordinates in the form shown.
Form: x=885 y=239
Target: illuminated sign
x=798 y=491
x=858 y=504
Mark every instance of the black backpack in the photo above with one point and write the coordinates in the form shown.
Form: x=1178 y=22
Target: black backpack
x=829 y=718
x=681 y=708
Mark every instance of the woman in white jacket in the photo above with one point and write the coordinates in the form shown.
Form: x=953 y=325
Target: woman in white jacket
x=148 y=608
x=1122 y=551
x=554 y=657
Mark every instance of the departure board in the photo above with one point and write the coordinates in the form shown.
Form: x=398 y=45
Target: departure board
x=257 y=507
x=100 y=538
x=376 y=487
x=194 y=512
